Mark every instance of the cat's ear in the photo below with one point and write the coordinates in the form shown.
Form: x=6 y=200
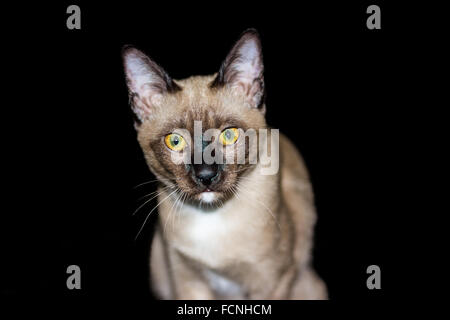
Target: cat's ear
x=243 y=69
x=147 y=83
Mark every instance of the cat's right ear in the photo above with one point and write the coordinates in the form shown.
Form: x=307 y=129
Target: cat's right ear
x=147 y=83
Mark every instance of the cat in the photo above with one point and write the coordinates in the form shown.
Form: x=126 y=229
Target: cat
x=225 y=230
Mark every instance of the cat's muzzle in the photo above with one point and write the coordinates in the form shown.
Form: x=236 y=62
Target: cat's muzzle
x=206 y=175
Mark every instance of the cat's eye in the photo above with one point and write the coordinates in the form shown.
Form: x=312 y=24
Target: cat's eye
x=175 y=142
x=229 y=136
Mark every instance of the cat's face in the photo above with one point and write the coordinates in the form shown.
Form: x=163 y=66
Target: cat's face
x=176 y=119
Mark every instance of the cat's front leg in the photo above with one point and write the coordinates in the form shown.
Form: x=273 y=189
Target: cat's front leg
x=261 y=283
x=308 y=286
x=188 y=280
x=284 y=285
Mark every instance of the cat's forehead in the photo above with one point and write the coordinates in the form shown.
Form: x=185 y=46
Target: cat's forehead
x=206 y=117
x=196 y=87
x=196 y=103
x=196 y=117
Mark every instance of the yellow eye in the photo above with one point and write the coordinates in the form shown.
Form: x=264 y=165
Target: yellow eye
x=175 y=142
x=229 y=136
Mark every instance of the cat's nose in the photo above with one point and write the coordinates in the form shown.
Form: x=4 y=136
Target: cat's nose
x=205 y=173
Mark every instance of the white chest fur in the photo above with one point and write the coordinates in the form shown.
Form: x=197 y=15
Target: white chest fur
x=206 y=236
x=217 y=238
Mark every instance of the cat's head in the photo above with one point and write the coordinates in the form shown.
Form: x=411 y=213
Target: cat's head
x=169 y=112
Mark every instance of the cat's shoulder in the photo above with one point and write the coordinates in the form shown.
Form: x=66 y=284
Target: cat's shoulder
x=291 y=161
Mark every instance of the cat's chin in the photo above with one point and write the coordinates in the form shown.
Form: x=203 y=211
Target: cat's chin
x=208 y=196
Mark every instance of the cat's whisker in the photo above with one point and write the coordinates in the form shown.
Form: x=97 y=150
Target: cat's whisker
x=178 y=208
x=155 y=181
x=152 y=193
x=254 y=198
x=147 y=182
x=147 y=201
x=185 y=195
x=177 y=201
x=148 y=215
x=173 y=210
x=245 y=178
x=170 y=212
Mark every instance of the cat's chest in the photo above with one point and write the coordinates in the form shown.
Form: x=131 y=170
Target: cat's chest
x=217 y=238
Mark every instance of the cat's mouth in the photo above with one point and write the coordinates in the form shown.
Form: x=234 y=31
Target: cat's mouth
x=211 y=196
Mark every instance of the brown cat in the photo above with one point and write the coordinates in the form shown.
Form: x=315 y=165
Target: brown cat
x=226 y=229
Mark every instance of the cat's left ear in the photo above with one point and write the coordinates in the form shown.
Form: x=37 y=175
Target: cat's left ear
x=243 y=69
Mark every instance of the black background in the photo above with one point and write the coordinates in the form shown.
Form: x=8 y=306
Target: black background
x=71 y=171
